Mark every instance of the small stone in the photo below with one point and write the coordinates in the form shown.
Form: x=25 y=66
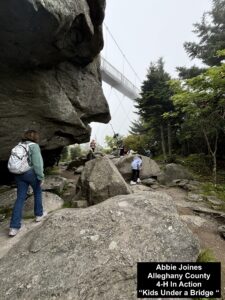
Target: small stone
x=113 y=245
x=221 y=230
x=94 y=238
x=123 y=204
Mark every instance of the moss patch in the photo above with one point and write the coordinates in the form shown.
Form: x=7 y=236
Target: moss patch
x=206 y=255
x=52 y=170
x=6 y=211
x=209 y=189
x=26 y=217
x=67 y=204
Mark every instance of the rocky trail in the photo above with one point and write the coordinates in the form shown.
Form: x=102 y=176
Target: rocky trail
x=203 y=225
x=195 y=214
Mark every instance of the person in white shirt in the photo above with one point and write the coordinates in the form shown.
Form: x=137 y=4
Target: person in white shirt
x=136 y=165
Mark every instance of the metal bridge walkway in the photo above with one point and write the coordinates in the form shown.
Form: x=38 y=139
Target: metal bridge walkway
x=117 y=80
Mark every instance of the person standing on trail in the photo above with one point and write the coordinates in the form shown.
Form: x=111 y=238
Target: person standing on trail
x=34 y=177
x=93 y=145
x=136 y=165
x=122 y=150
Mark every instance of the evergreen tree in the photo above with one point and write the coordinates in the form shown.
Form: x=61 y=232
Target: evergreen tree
x=211 y=34
x=154 y=102
x=186 y=73
x=139 y=127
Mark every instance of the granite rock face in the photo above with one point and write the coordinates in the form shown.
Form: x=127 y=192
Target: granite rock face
x=51 y=202
x=92 y=253
x=100 y=180
x=49 y=71
x=149 y=167
x=172 y=173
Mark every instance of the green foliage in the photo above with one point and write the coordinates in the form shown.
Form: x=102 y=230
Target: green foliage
x=135 y=142
x=210 y=189
x=186 y=73
x=211 y=36
x=220 y=53
x=52 y=171
x=106 y=150
x=140 y=127
x=202 y=103
x=7 y=212
x=75 y=151
x=28 y=216
x=110 y=141
x=198 y=163
x=171 y=159
x=155 y=107
x=206 y=255
x=155 y=94
x=143 y=134
x=65 y=154
x=67 y=204
x=114 y=141
x=201 y=96
x=187 y=115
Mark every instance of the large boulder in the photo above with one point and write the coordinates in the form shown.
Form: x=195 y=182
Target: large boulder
x=7 y=198
x=50 y=71
x=54 y=183
x=76 y=163
x=100 y=180
x=149 y=167
x=50 y=202
x=172 y=172
x=93 y=253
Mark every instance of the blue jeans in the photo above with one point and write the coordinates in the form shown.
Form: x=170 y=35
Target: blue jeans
x=23 y=181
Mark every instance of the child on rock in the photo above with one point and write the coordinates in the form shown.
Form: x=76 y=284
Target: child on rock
x=136 y=165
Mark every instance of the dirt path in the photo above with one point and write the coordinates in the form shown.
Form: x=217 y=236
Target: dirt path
x=202 y=225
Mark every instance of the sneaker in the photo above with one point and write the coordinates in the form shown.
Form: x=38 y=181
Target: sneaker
x=13 y=231
x=132 y=182
x=138 y=180
x=40 y=218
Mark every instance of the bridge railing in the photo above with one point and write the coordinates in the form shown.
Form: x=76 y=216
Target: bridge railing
x=112 y=71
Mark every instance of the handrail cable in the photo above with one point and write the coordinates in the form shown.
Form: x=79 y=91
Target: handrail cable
x=124 y=56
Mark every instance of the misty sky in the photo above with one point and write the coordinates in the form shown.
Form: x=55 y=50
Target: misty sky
x=145 y=30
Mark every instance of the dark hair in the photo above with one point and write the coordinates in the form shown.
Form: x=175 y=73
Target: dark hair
x=31 y=135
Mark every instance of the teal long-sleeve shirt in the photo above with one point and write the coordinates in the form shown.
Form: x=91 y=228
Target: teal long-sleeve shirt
x=36 y=160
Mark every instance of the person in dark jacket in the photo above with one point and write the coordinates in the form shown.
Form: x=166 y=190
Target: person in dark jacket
x=34 y=177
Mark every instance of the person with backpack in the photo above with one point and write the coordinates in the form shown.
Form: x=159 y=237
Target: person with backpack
x=27 y=164
x=136 y=165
